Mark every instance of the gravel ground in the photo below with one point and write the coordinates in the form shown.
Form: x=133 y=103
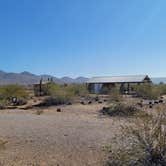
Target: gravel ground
x=73 y=137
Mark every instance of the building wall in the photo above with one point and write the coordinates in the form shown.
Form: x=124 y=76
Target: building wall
x=100 y=87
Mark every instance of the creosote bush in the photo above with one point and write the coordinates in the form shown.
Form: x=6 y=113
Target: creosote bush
x=161 y=88
x=56 y=100
x=78 y=90
x=151 y=92
x=63 y=94
x=114 y=95
x=3 y=143
x=39 y=112
x=142 y=143
x=120 y=110
x=8 y=92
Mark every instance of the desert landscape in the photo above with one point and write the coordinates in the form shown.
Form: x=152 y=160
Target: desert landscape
x=82 y=83
x=71 y=134
x=73 y=137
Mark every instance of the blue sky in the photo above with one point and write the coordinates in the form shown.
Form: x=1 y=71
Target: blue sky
x=83 y=37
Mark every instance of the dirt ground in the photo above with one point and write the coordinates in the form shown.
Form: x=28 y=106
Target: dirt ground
x=73 y=137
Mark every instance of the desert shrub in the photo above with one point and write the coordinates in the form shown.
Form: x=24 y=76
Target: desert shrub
x=121 y=110
x=52 y=89
x=39 y=112
x=70 y=90
x=161 y=89
x=57 y=100
x=59 y=94
x=62 y=94
x=114 y=95
x=8 y=92
x=142 y=143
x=77 y=90
x=3 y=143
x=150 y=92
x=3 y=104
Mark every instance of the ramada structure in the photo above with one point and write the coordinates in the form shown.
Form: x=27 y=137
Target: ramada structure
x=103 y=84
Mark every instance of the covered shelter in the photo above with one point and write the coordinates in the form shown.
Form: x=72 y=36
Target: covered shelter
x=103 y=84
x=41 y=88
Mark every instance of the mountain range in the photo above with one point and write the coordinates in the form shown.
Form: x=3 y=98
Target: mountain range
x=27 y=78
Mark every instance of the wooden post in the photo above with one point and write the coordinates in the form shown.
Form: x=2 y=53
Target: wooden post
x=128 y=88
x=40 y=87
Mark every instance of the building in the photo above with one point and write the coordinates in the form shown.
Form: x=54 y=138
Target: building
x=104 y=84
x=41 y=88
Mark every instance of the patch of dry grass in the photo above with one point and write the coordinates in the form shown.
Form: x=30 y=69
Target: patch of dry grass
x=142 y=143
x=3 y=143
x=120 y=110
x=39 y=112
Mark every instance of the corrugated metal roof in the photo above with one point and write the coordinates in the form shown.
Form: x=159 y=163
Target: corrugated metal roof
x=118 y=79
x=43 y=82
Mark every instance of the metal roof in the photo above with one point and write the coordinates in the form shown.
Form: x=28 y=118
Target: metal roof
x=118 y=79
x=43 y=82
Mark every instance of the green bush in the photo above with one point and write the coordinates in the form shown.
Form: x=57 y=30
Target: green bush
x=63 y=94
x=8 y=92
x=115 y=95
x=3 y=103
x=142 y=143
x=161 y=89
x=150 y=92
x=78 y=90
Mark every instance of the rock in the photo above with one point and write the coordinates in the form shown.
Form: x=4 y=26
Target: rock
x=90 y=102
x=156 y=101
x=59 y=110
x=161 y=101
x=105 y=108
x=69 y=103
x=151 y=106
x=82 y=102
x=140 y=104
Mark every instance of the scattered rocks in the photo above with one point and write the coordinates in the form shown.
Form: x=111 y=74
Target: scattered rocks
x=156 y=102
x=161 y=101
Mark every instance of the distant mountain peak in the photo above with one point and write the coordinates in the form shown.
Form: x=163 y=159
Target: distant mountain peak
x=27 y=78
x=26 y=73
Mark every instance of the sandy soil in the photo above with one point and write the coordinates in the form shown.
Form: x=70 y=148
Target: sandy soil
x=73 y=137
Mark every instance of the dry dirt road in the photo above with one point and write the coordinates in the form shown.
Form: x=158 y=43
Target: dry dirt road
x=73 y=137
